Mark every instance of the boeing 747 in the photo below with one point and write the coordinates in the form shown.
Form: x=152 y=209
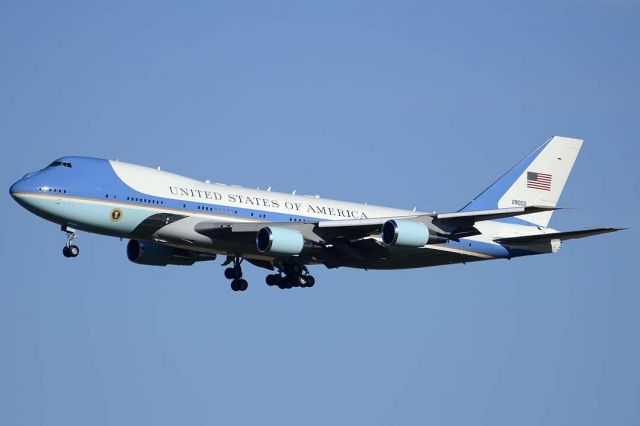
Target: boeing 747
x=174 y=220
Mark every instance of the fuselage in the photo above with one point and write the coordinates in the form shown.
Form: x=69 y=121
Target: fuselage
x=130 y=201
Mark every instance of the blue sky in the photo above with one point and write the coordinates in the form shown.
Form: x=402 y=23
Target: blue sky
x=395 y=103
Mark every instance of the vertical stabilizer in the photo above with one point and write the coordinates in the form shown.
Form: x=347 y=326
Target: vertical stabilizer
x=537 y=180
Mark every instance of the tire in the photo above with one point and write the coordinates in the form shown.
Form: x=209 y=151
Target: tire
x=285 y=283
x=229 y=273
x=234 y=285
x=301 y=281
x=74 y=251
x=271 y=280
x=288 y=283
x=65 y=251
x=242 y=285
x=310 y=281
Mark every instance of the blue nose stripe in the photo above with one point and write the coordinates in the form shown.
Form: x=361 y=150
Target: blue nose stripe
x=18 y=186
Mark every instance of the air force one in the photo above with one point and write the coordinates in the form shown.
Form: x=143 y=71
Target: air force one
x=174 y=220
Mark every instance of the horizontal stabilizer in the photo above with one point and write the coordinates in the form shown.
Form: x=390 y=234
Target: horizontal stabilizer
x=480 y=215
x=562 y=236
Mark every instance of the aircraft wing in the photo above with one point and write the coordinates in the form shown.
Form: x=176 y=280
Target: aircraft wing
x=448 y=225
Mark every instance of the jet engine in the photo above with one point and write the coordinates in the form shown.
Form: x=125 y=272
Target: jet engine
x=146 y=253
x=408 y=233
x=274 y=240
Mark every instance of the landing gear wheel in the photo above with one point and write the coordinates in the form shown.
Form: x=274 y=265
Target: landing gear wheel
x=291 y=275
x=278 y=279
x=230 y=273
x=243 y=285
x=272 y=279
x=65 y=251
x=301 y=281
x=287 y=283
x=73 y=250
x=310 y=281
x=239 y=285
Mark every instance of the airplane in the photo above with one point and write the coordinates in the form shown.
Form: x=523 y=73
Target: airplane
x=171 y=219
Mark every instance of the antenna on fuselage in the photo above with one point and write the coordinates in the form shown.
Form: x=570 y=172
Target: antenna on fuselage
x=269 y=189
x=294 y=192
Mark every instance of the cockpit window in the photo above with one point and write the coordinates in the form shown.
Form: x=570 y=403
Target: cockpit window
x=60 y=164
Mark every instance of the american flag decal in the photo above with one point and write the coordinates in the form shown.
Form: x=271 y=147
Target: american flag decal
x=539 y=181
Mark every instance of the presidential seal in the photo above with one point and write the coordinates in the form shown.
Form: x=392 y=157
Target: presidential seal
x=116 y=215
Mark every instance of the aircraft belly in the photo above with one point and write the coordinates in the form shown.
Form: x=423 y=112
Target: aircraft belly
x=367 y=253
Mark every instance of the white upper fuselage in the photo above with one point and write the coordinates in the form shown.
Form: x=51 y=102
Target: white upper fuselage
x=163 y=184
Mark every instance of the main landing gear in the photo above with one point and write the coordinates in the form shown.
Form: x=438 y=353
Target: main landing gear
x=291 y=275
x=234 y=274
x=70 y=250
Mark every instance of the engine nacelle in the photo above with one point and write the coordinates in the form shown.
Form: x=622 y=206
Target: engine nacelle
x=146 y=253
x=407 y=233
x=274 y=240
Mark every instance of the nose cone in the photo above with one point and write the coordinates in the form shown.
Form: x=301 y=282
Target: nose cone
x=15 y=189
x=23 y=185
x=23 y=192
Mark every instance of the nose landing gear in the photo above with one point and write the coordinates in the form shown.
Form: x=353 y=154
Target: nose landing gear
x=70 y=250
